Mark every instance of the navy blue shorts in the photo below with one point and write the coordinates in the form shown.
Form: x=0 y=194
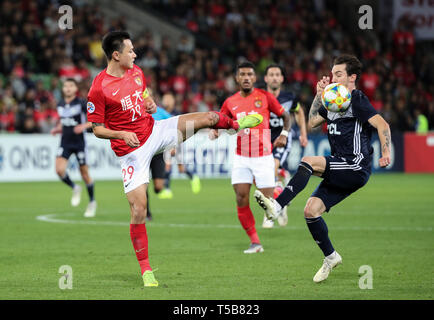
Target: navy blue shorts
x=80 y=153
x=340 y=179
x=282 y=153
x=158 y=166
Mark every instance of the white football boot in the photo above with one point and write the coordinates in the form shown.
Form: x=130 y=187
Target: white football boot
x=76 y=196
x=254 y=248
x=329 y=263
x=267 y=223
x=90 y=210
x=282 y=219
x=268 y=204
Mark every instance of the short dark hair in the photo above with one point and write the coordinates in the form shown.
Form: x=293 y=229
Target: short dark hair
x=114 y=41
x=71 y=80
x=274 y=65
x=353 y=65
x=245 y=64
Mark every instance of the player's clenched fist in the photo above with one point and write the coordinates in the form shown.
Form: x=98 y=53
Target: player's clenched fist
x=384 y=161
x=130 y=139
x=150 y=105
x=324 y=82
x=280 y=142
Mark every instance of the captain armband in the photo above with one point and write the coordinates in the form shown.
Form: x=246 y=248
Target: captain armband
x=145 y=94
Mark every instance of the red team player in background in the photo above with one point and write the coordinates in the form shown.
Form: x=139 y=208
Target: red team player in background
x=253 y=161
x=120 y=107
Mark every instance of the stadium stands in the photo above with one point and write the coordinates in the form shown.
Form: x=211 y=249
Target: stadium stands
x=36 y=55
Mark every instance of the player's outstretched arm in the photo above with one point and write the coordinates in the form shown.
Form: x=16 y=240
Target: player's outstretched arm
x=383 y=130
x=102 y=132
x=283 y=138
x=82 y=127
x=300 y=119
x=57 y=129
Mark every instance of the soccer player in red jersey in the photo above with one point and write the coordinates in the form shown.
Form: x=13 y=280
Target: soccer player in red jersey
x=120 y=107
x=253 y=161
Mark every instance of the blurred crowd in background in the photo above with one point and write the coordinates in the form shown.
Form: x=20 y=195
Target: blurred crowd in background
x=35 y=56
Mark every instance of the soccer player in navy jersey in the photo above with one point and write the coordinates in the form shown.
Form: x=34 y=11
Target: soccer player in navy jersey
x=274 y=78
x=347 y=169
x=72 y=112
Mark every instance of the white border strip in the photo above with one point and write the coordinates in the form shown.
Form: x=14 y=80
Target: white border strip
x=52 y=219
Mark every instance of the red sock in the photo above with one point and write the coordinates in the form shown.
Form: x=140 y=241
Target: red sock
x=247 y=220
x=139 y=238
x=225 y=122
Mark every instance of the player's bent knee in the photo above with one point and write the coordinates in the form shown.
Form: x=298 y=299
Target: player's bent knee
x=60 y=172
x=138 y=212
x=309 y=160
x=242 y=200
x=314 y=208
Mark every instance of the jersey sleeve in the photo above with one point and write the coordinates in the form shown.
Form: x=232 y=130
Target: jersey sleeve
x=295 y=106
x=142 y=75
x=95 y=105
x=225 y=110
x=323 y=112
x=274 y=105
x=362 y=108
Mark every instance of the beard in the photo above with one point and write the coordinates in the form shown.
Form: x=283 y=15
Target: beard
x=247 y=90
x=274 y=87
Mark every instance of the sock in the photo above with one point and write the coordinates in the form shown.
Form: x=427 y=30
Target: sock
x=90 y=191
x=67 y=180
x=225 y=122
x=139 y=238
x=319 y=231
x=148 y=212
x=247 y=220
x=296 y=184
x=167 y=180
x=189 y=174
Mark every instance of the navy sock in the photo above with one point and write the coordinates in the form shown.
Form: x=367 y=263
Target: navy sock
x=90 y=191
x=167 y=179
x=296 y=184
x=318 y=229
x=68 y=181
x=189 y=174
x=148 y=212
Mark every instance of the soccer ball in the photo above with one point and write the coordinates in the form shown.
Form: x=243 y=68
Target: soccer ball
x=336 y=97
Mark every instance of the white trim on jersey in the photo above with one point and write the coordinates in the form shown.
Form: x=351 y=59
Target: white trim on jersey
x=356 y=151
x=356 y=140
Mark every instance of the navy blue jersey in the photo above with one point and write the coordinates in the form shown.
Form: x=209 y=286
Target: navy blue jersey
x=349 y=132
x=72 y=114
x=290 y=103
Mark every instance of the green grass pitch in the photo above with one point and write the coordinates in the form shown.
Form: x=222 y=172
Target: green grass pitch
x=197 y=244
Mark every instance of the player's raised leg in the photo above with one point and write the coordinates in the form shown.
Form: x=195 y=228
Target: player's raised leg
x=190 y=123
x=91 y=207
x=312 y=165
x=61 y=164
x=318 y=228
x=137 y=200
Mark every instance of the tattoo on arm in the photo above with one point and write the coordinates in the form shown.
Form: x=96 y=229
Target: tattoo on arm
x=386 y=145
x=94 y=124
x=316 y=104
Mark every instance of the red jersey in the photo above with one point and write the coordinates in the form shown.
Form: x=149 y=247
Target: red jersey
x=254 y=142
x=118 y=103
